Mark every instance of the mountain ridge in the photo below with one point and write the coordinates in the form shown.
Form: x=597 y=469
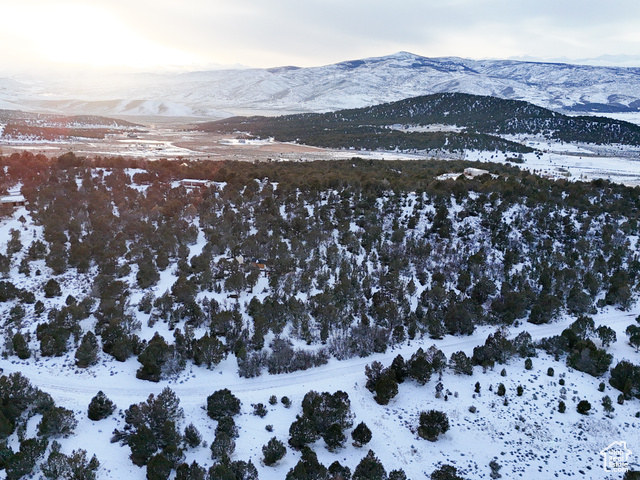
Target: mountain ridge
x=347 y=84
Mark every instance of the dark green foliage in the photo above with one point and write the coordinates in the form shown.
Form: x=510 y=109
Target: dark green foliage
x=227 y=425
x=327 y=409
x=273 y=451
x=625 y=377
x=432 y=424
x=606 y=335
x=583 y=407
x=18 y=401
x=550 y=371
x=53 y=337
x=286 y=401
x=385 y=386
x=587 y=358
x=361 y=435
x=607 y=404
x=446 y=472
x=52 y=289
x=208 y=350
x=159 y=467
x=20 y=346
x=87 y=353
x=147 y=274
x=419 y=367
x=345 y=128
x=397 y=475
x=369 y=468
x=324 y=415
x=22 y=463
x=151 y=426
x=192 y=437
x=222 y=403
x=461 y=364
x=222 y=446
x=562 y=407
x=190 y=472
x=57 y=422
x=501 y=390
x=338 y=472
x=528 y=364
x=399 y=368
x=497 y=348
x=633 y=332
x=495 y=469
x=260 y=410
x=76 y=466
x=334 y=437
x=153 y=358
x=307 y=468
x=100 y=407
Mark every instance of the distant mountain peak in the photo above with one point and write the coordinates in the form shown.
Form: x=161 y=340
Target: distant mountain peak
x=349 y=84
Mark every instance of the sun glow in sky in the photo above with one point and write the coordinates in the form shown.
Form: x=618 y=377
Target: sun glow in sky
x=197 y=34
x=79 y=34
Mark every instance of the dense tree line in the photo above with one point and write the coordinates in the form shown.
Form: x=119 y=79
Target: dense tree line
x=355 y=256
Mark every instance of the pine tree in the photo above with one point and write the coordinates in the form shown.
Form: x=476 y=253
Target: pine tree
x=87 y=352
x=369 y=468
x=432 y=424
x=100 y=407
x=361 y=435
x=273 y=451
x=192 y=437
x=222 y=403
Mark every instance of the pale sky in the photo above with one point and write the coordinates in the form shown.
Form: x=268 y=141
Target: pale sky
x=197 y=34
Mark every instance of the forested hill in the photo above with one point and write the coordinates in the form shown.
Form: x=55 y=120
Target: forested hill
x=479 y=118
x=19 y=125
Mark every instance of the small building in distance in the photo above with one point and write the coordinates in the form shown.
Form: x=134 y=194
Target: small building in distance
x=15 y=199
x=195 y=183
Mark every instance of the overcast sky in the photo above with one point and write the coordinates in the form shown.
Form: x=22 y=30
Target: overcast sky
x=195 y=34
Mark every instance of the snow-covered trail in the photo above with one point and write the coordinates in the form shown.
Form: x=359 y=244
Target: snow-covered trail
x=118 y=379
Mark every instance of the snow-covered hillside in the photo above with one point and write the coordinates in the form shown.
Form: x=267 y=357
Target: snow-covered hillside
x=354 y=261
x=348 y=84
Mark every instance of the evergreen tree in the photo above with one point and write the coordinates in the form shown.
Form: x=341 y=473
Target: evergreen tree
x=190 y=472
x=273 y=451
x=192 y=437
x=307 y=468
x=222 y=403
x=20 y=346
x=100 y=407
x=59 y=466
x=583 y=407
x=369 y=468
x=87 y=352
x=159 y=467
x=361 y=435
x=57 y=421
x=432 y=424
x=446 y=472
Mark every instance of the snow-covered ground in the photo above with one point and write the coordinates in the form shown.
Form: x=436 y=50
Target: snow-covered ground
x=528 y=437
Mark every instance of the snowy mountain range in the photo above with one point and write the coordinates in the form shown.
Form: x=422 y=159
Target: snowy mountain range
x=349 y=84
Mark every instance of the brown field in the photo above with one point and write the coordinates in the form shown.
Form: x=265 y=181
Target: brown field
x=176 y=141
